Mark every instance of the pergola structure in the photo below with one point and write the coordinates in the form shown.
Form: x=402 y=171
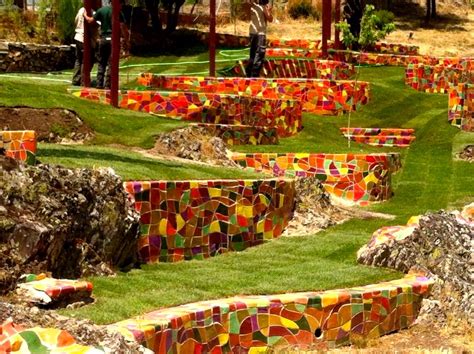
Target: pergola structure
x=114 y=79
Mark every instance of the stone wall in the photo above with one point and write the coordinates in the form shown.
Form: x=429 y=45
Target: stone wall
x=25 y=57
x=311 y=321
x=317 y=96
x=182 y=220
x=358 y=178
x=284 y=115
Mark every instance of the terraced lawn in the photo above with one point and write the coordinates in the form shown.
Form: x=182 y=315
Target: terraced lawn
x=429 y=180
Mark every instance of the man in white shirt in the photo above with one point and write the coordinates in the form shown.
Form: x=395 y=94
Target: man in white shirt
x=79 y=41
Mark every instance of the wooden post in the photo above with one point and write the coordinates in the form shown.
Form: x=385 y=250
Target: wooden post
x=86 y=53
x=337 y=19
x=212 y=38
x=326 y=36
x=114 y=62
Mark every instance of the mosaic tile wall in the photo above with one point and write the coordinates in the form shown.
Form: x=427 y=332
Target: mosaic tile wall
x=300 y=68
x=242 y=134
x=16 y=339
x=19 y=144
x=359 y=178
x=388 y=48
x=461 y=106
x=317 y=96
x=438 y=78
x=284 y=115
x=309 y=320
x=183 y=220
x=380 y=136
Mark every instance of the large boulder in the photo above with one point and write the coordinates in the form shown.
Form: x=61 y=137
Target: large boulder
x=442 y=245
x=71 y=222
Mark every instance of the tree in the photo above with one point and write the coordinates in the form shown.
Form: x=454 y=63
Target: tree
x=430 y=10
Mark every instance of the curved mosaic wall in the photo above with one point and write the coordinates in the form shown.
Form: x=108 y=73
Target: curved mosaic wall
x=380 y=136
x=317 y=96
x=461 y=106
x=307 y=320
x=19 y=144
x=300 y=68
x=438 y=78
x=389 y=48
x=284 y=115
x=356 y=177
x=183 y=220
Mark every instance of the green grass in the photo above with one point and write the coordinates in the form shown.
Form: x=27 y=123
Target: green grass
x=133 y=165
x=429 y=180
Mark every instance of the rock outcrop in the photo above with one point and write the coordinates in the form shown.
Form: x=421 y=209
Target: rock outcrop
x=70 y=222
x=442 y=246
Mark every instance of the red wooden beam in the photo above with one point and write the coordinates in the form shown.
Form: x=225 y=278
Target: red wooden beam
x=212 y=38
x=86 y=54
x=326 y=26
x=337 y=19
x=114 y=62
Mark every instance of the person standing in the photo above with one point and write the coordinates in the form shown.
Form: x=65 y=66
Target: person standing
x=79 y=41
x=260 y=14
x=104 y=17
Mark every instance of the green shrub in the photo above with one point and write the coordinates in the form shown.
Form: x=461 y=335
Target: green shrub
x=302 y=8
x=374 y=26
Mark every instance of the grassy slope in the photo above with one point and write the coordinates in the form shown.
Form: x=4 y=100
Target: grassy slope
x=429 y=180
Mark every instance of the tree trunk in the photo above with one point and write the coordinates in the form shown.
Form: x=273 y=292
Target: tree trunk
x=428 y=11
x=433 y=9
x=152 y=8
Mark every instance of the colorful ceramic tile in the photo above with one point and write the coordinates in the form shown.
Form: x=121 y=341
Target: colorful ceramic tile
x=355 y=177
x=183 y=220
x=15 y=339
x=461 y=106
x=300 y=68
x=317 y=96
x=380 y=136
x=19 y=144
x=283 y=114
x=257 y=324
x=438 y=78
x=242 y=134
x=44 y=289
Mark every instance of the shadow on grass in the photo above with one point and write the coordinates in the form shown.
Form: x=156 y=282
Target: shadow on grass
x=62 y=153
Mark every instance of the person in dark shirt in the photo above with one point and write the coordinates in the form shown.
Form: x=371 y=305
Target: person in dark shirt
x=260 y=14
x=104 y=17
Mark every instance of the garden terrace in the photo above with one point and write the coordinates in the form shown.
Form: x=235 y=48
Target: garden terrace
x=299 y=68
x=355 y=177
x=183 y=220
x=213 y=108
x=317 y=96
x=439 y=78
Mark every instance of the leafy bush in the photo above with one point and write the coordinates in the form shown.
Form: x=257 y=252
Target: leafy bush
x=374 y=26
x=302 y=8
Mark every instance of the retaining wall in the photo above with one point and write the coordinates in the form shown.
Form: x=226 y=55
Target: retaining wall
x=380 y=136
x=461 y=106
x=299 y=68
x=438 y=78
x=316 y=96
x=285 y=115
x=258 y=324
x=356 y=177
x=19 y=144
x=183 y=220
x=24 y=57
